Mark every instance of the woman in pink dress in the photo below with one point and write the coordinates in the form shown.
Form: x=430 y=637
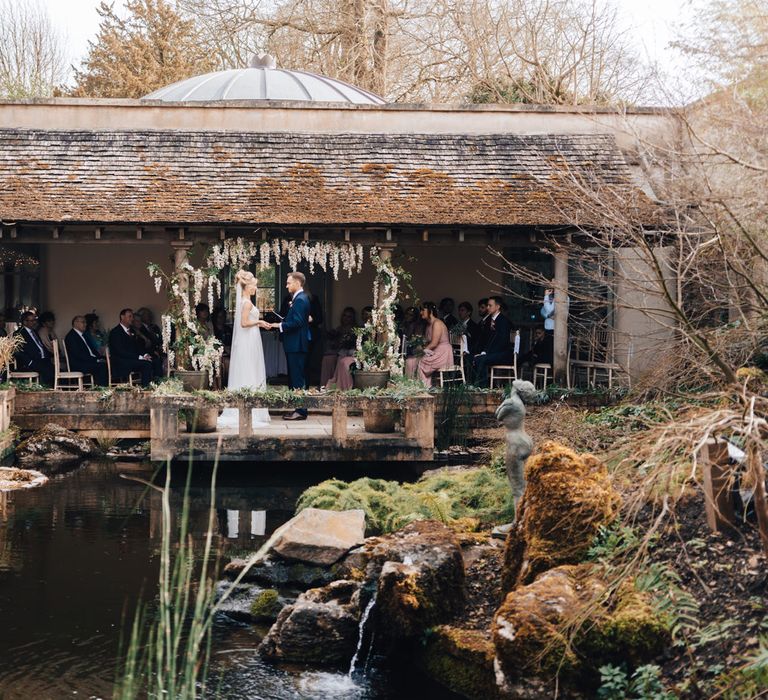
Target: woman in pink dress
x=438 y=353
x=344 y=339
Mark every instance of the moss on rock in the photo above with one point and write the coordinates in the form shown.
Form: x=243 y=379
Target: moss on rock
x=266 y=605
x=567 y=499
x=461 y=660
x=565 y=623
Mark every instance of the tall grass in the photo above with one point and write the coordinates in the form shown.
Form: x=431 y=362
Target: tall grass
x=169 y=645
x=168 y=651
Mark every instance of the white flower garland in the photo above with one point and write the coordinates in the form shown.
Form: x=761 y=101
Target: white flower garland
x=237 y=253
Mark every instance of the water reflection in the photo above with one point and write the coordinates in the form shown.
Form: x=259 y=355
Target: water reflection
x=76 y=554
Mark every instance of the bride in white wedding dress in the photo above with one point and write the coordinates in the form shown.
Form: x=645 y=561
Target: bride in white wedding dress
x=246 y=363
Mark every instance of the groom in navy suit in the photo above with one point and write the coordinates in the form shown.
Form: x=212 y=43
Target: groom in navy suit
x=296 y=335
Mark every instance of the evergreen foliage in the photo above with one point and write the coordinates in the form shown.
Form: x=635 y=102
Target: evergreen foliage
x=149 y=48
x=480 y=494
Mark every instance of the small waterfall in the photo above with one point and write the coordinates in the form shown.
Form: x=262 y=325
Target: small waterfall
x=361 y=634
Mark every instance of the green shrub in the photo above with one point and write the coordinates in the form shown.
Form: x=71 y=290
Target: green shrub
x=479 y=493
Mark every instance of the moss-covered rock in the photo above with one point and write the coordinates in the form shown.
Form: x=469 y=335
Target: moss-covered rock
x=320 y=627
x=461 y=660
x=566 y=624
x=418 y=573
x=567 y=499
x=266 y=606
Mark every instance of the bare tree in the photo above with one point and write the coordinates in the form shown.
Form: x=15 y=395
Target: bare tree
x=555 y=51
x=32 y=62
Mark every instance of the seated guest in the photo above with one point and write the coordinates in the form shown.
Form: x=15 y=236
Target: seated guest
x=203 y=315
x=83 y=357
x=126 y=353
x=541 y=351
x=45 y=330
x=341 y=344
x=365 y=315
x=497 y=349
x=143 y=338
x=413 y=324
x=151 y=329
x=33 y=356
x=438 y=352
x=446 y=313
x=470 y=328
x=94 y=334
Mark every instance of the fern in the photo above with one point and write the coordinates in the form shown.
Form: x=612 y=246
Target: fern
x=674 y=604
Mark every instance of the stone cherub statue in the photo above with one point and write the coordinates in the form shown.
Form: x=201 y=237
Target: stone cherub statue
x=511 y=414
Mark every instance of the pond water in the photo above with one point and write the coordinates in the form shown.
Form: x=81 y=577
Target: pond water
x=77 y=554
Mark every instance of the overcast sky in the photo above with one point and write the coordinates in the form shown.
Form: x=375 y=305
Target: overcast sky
x=654 y=22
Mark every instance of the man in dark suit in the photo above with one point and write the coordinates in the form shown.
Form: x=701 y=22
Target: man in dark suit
x=82 y=357
x=296 y=336
x=32 y=356
x=125 y=353
x=498 y=346
x=471 y=329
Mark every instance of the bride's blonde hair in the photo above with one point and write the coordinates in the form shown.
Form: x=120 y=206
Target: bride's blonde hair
x=244 y=278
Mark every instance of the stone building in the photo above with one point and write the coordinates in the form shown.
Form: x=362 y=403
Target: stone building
x=96 y=188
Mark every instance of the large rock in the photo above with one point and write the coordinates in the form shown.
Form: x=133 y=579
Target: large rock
x=567 y=499
x=319 y=537
x=321 y=627
x=248 y=603
x=566 y=624
x=418 y=574
x=52 y=443
x=278 y=573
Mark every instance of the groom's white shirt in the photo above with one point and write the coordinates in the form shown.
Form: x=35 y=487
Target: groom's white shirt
x=298 y=291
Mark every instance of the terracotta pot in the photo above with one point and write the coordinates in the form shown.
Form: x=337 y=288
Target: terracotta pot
x=192 y=379
x=378 y=420
x=202 y=420
x=370 y=379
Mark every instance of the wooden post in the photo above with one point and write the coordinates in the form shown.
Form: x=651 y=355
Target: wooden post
x=339 y=424
x=717 y=487
x=560 y=359
x=755 y=467
x=420 y=422
x=246 y=422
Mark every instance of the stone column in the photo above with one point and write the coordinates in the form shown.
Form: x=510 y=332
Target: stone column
x=560 y=359
x=181 y=256
x=385 y=253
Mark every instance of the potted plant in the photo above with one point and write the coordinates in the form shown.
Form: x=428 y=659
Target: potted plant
x=194 y=355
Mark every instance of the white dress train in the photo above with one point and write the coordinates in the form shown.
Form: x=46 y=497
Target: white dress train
x=246 y=368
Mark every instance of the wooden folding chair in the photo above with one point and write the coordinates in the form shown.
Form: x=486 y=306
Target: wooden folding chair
x=62 y=377
x=129 y=381
x=457 y=369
